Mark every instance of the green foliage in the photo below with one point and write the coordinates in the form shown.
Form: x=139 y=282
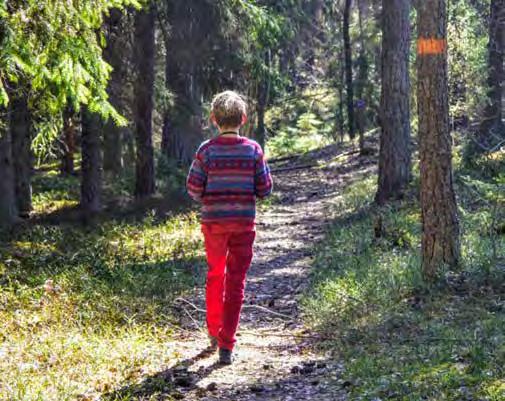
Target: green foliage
x=106 y=316
x=302 y=123
x=397 y=337
x=467 y=37
x=53 y=52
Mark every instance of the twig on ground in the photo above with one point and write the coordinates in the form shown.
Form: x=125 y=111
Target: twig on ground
x=190 y=304
x=299 y=167
x=247 y=306
x=277 y=334
x=284 y=158
x=192 y=319
x=351 y=152
x=264 y=309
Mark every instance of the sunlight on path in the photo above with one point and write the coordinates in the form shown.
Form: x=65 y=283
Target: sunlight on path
x=274 y=357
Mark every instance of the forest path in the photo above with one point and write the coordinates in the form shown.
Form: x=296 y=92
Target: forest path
x=274 y=356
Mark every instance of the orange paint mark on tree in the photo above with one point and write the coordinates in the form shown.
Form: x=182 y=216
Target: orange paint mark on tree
x=431 y=46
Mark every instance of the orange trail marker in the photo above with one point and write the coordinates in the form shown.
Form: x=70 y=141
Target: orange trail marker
x=431 y=46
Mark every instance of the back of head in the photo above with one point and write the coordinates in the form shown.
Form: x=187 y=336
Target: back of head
x=229 y=109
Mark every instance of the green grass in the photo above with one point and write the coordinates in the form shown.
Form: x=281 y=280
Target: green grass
x=398 y=337
x=87 y=309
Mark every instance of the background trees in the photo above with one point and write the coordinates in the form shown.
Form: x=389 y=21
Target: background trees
x=113 y=97
x=491 y=130
x=313 y=71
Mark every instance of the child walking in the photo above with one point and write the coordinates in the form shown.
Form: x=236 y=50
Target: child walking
x=228 y=173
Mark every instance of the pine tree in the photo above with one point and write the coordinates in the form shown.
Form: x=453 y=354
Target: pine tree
x=395 y=151
x=492 y=129
x=8 y=209
x=144 y=53
x=91 y=169
x=440 y=238
x=348 y=67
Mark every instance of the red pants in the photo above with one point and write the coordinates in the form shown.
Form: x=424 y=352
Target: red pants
x=229 y=256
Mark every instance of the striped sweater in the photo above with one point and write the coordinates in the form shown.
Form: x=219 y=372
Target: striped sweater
x=226 y=176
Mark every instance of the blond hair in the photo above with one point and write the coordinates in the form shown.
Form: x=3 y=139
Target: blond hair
x=228 y=108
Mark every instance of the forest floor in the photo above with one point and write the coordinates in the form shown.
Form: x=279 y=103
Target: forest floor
x=274 y=357
x=335 y=309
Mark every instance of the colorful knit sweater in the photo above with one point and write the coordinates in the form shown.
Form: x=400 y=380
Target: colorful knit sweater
x=227 y=175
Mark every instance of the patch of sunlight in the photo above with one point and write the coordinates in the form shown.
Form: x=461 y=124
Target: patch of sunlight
x=499 y=155
x=53 y=206
x=34 y=246
x=442 y=370
x=494 y=388
x=287 y=271
x=64 y=364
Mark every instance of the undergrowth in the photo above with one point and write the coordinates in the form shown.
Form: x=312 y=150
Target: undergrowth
x=87 y=308
x=400 y=338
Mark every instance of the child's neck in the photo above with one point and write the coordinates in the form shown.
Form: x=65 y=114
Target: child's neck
x=232 y=132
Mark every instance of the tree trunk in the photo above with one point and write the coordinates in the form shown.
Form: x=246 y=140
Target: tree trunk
x=348 y=67
x=68 y=142
x=491 y=128
x=20 y=126
x=114 y=55
x=182 y=125
x=262 y=101
x=8 y=209
x=440 y=238
x=143 y=94
x=341 y=100
x=362 y=80
x=91 y=169
x=395 y=151
x=260 y=112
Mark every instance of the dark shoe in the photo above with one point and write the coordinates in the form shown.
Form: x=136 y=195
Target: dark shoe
x=225 y=356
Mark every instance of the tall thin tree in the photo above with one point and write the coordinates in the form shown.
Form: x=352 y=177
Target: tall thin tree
x=492 y=124
x=362 y=80
x=20 y=126
x=262 y=100
x=348 y=66
x=192 y=25
x=395 y=152
x=8 y=209
x=144 y=52
x=114 y=55
x=440 y=238
x=91 y=168
x=68 y=141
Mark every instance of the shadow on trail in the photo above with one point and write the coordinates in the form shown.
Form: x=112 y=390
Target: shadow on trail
x=172 y=382
x=117 y=209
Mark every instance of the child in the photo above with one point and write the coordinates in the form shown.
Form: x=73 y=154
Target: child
x=228 y=173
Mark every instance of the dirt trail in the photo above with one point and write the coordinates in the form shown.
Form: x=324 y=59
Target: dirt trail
x=274 y=357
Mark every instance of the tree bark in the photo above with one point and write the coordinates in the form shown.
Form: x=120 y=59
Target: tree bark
x=395 y=149
x=440 y=238
x=20 y=126
x=182 y=124
x=91 y=169
x=114 y=55
x=68 y=142
x=8 y=209
x=143 y=94
x=360 y=109
x=348 y=67
x=491 y=128
x=262 y=101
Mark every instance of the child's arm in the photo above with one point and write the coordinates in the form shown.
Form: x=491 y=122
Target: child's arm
x=263 y=179
x=197 y=178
